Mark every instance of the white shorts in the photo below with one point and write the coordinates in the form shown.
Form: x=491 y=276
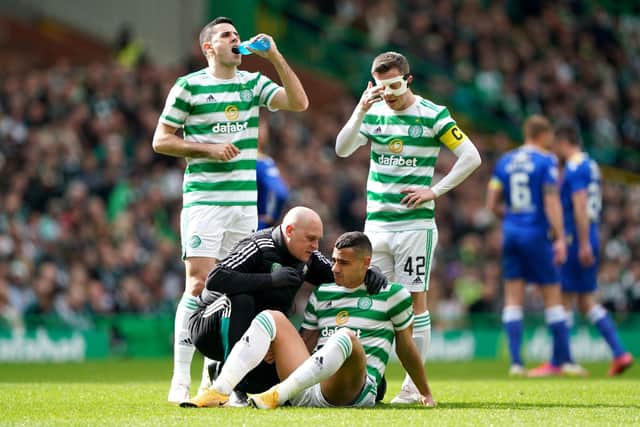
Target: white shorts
x=312 y=397
x=405 y=257
x=211 y=231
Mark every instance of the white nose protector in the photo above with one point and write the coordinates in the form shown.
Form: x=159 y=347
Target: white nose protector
x=387 y=83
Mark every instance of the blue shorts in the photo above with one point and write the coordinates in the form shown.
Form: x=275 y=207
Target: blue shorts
x=576 y=278
x=528 y=255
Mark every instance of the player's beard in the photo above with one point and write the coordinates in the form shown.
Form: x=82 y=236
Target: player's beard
x=228 y=59
x=232 y=61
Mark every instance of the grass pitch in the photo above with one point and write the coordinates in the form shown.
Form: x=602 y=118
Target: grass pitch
x=131 y=393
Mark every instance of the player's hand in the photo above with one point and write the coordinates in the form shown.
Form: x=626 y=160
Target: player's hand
x=225 y=151
x=585 y=255
x=427 y=401
x=374 y=280
x=370 y=96
x=559 y=251
x=415 y=196
x=285 y=277
x=268 y=54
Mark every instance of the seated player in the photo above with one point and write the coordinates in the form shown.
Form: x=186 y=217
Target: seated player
x=351 y=330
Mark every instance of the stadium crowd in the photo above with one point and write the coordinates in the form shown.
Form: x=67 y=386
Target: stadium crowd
x=89 y=213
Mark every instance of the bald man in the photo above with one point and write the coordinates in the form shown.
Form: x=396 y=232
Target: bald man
x=263 y=272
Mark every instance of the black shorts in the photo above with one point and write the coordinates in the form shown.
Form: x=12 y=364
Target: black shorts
x=211 y=339
x=206 y=334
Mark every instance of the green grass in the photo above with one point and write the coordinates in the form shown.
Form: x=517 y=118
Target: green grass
x=128 y=392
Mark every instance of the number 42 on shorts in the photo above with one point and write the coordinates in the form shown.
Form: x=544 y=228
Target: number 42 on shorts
x=419 y=263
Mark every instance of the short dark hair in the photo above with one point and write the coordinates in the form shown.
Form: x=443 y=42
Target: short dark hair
x=356 y=240
x=207 y=32
x=388 y=60
x=569 y=132
x=536 y=125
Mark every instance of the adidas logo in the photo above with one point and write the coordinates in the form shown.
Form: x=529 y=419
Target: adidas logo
x=377 y=130
x=319 y=361
x=417 y=281
x=211 y=98
x=330 y=304
x=185 y=341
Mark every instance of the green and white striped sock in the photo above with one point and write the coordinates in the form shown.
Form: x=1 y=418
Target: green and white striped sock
x=182 y=346
x=422 y=333
x=318 y=367
x=247 y=353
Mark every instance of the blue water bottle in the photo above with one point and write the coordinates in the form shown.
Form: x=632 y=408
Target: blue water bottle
x=261 y=43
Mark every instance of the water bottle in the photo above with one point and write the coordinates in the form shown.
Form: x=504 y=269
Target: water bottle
x=262 y=44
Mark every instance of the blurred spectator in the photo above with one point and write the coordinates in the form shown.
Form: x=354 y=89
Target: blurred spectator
x=610 y=286
x=41 y=311
x=100 y=301
x=10 y=316
x=73 y=307
x=132 y=297
x=631 y=284
x=129 y=51
x=381 y=20
x=489 y=300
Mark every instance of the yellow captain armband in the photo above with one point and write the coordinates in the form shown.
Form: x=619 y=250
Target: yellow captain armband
x=495 y=184
x=453 y=137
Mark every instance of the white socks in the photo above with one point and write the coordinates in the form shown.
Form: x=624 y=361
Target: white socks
x=318 y=367
x=247 y=353
x=182 y=346
x=422 y=338
x=596 y=313
x=511 y=313
x=422 y=333
x=555 y=314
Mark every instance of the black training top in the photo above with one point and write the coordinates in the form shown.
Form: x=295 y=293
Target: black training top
x=247 y=270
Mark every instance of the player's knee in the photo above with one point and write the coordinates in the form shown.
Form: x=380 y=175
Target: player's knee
x=350 y=334
x=275 y=324
x=586 y=303
x=355 y=342
x=277 y=316
x=194 y=286
x=197 y=272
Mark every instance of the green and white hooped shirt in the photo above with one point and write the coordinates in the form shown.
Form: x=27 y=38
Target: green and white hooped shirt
x=404 y=150
x=210 y=111
x=374 y=318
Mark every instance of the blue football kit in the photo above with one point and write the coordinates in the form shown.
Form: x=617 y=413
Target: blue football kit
x=580 y=174
x=523 y=174
x=272 y=192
